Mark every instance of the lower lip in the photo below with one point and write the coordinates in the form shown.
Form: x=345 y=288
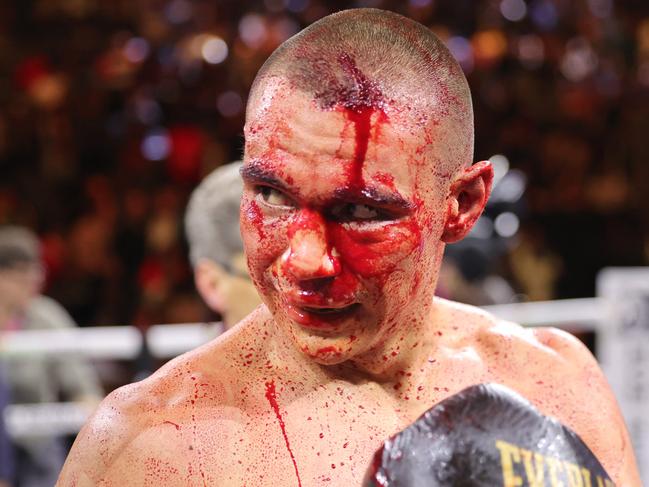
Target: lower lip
x=313 y=319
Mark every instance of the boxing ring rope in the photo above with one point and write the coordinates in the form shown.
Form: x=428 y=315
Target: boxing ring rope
x=98 y=342
x=170 y=340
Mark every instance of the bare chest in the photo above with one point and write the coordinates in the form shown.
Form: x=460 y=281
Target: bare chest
x=324 y=436
x=319 y=438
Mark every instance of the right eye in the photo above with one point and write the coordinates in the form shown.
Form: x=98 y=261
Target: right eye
x=273 y=197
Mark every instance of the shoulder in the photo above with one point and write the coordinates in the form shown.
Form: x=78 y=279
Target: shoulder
x=143 y=420
x=558 y=374
x=120 y=417
x=483 y=329
x=115 y=440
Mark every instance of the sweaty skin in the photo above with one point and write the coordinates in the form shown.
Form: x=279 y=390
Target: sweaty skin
x=345 y=214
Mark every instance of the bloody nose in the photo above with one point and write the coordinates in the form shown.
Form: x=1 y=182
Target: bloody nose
x=309 y=256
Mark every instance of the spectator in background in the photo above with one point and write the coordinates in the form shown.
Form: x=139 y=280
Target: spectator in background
x=35 y=379
x=215 y=247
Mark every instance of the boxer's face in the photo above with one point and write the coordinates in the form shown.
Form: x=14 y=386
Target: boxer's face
x=341 y=218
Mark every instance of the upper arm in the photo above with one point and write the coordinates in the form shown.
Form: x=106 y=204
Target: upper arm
x=603 y=418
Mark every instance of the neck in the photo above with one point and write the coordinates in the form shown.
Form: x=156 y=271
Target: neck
x=400 y=351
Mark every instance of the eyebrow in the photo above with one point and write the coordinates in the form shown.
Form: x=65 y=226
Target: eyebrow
x=257 y=174
x=375 y=197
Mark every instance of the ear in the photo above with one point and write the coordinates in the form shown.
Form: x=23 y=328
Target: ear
x=466 y=200
x=209 y=278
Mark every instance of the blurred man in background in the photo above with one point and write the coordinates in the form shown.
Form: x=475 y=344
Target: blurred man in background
x=37 y=379
x=215 y=246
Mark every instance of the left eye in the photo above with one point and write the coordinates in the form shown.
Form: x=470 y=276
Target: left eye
x=360 y=212
x=363 y=212
x=273 y=197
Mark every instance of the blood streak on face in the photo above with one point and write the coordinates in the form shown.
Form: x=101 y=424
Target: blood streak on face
x=254 y=214
x=359 y=104
x=332 y=182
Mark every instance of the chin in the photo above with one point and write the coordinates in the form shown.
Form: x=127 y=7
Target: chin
x=327 y=355
x=326 y=350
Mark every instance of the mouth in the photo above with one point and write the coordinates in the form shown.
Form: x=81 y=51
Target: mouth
x=319 y=317
x=329 y=311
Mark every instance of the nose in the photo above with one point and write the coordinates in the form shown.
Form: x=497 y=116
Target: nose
x=309 y=255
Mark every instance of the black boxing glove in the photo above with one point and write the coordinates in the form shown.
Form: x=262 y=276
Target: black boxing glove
x=485 y=436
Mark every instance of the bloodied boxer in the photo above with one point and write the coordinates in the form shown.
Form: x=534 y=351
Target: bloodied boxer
x=357 y=172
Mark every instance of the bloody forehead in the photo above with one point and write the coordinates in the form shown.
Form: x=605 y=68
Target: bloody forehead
x=355 y=92
x=359 y=98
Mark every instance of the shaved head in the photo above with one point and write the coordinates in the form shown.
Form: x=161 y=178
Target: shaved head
x=368 y=58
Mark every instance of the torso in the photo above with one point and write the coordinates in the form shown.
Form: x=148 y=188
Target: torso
x=235 y=413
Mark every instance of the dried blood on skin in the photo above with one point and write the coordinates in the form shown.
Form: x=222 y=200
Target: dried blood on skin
x=177 y=426
x=271 y=396
x=371 y=253
x=327 y=351
x=253 y=212
x=386 y=179
x=358 y=105
x=339 y=291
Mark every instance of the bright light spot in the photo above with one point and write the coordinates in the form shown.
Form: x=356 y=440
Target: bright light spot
x=483 y=228
x=136 y=49
x=513 y=10
x=489 y=46
x=506 y=224
x=178 y=11
x=544 y=14
x=156 y=145
x=531 y=51
x=229 y=103
x=579 y=60
x=601 y=8
x=501 y=165
x=297 y=6
x=461 y=49
x=214 y=50
x=252 y=30
x=420 y=3
x=510 y=188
